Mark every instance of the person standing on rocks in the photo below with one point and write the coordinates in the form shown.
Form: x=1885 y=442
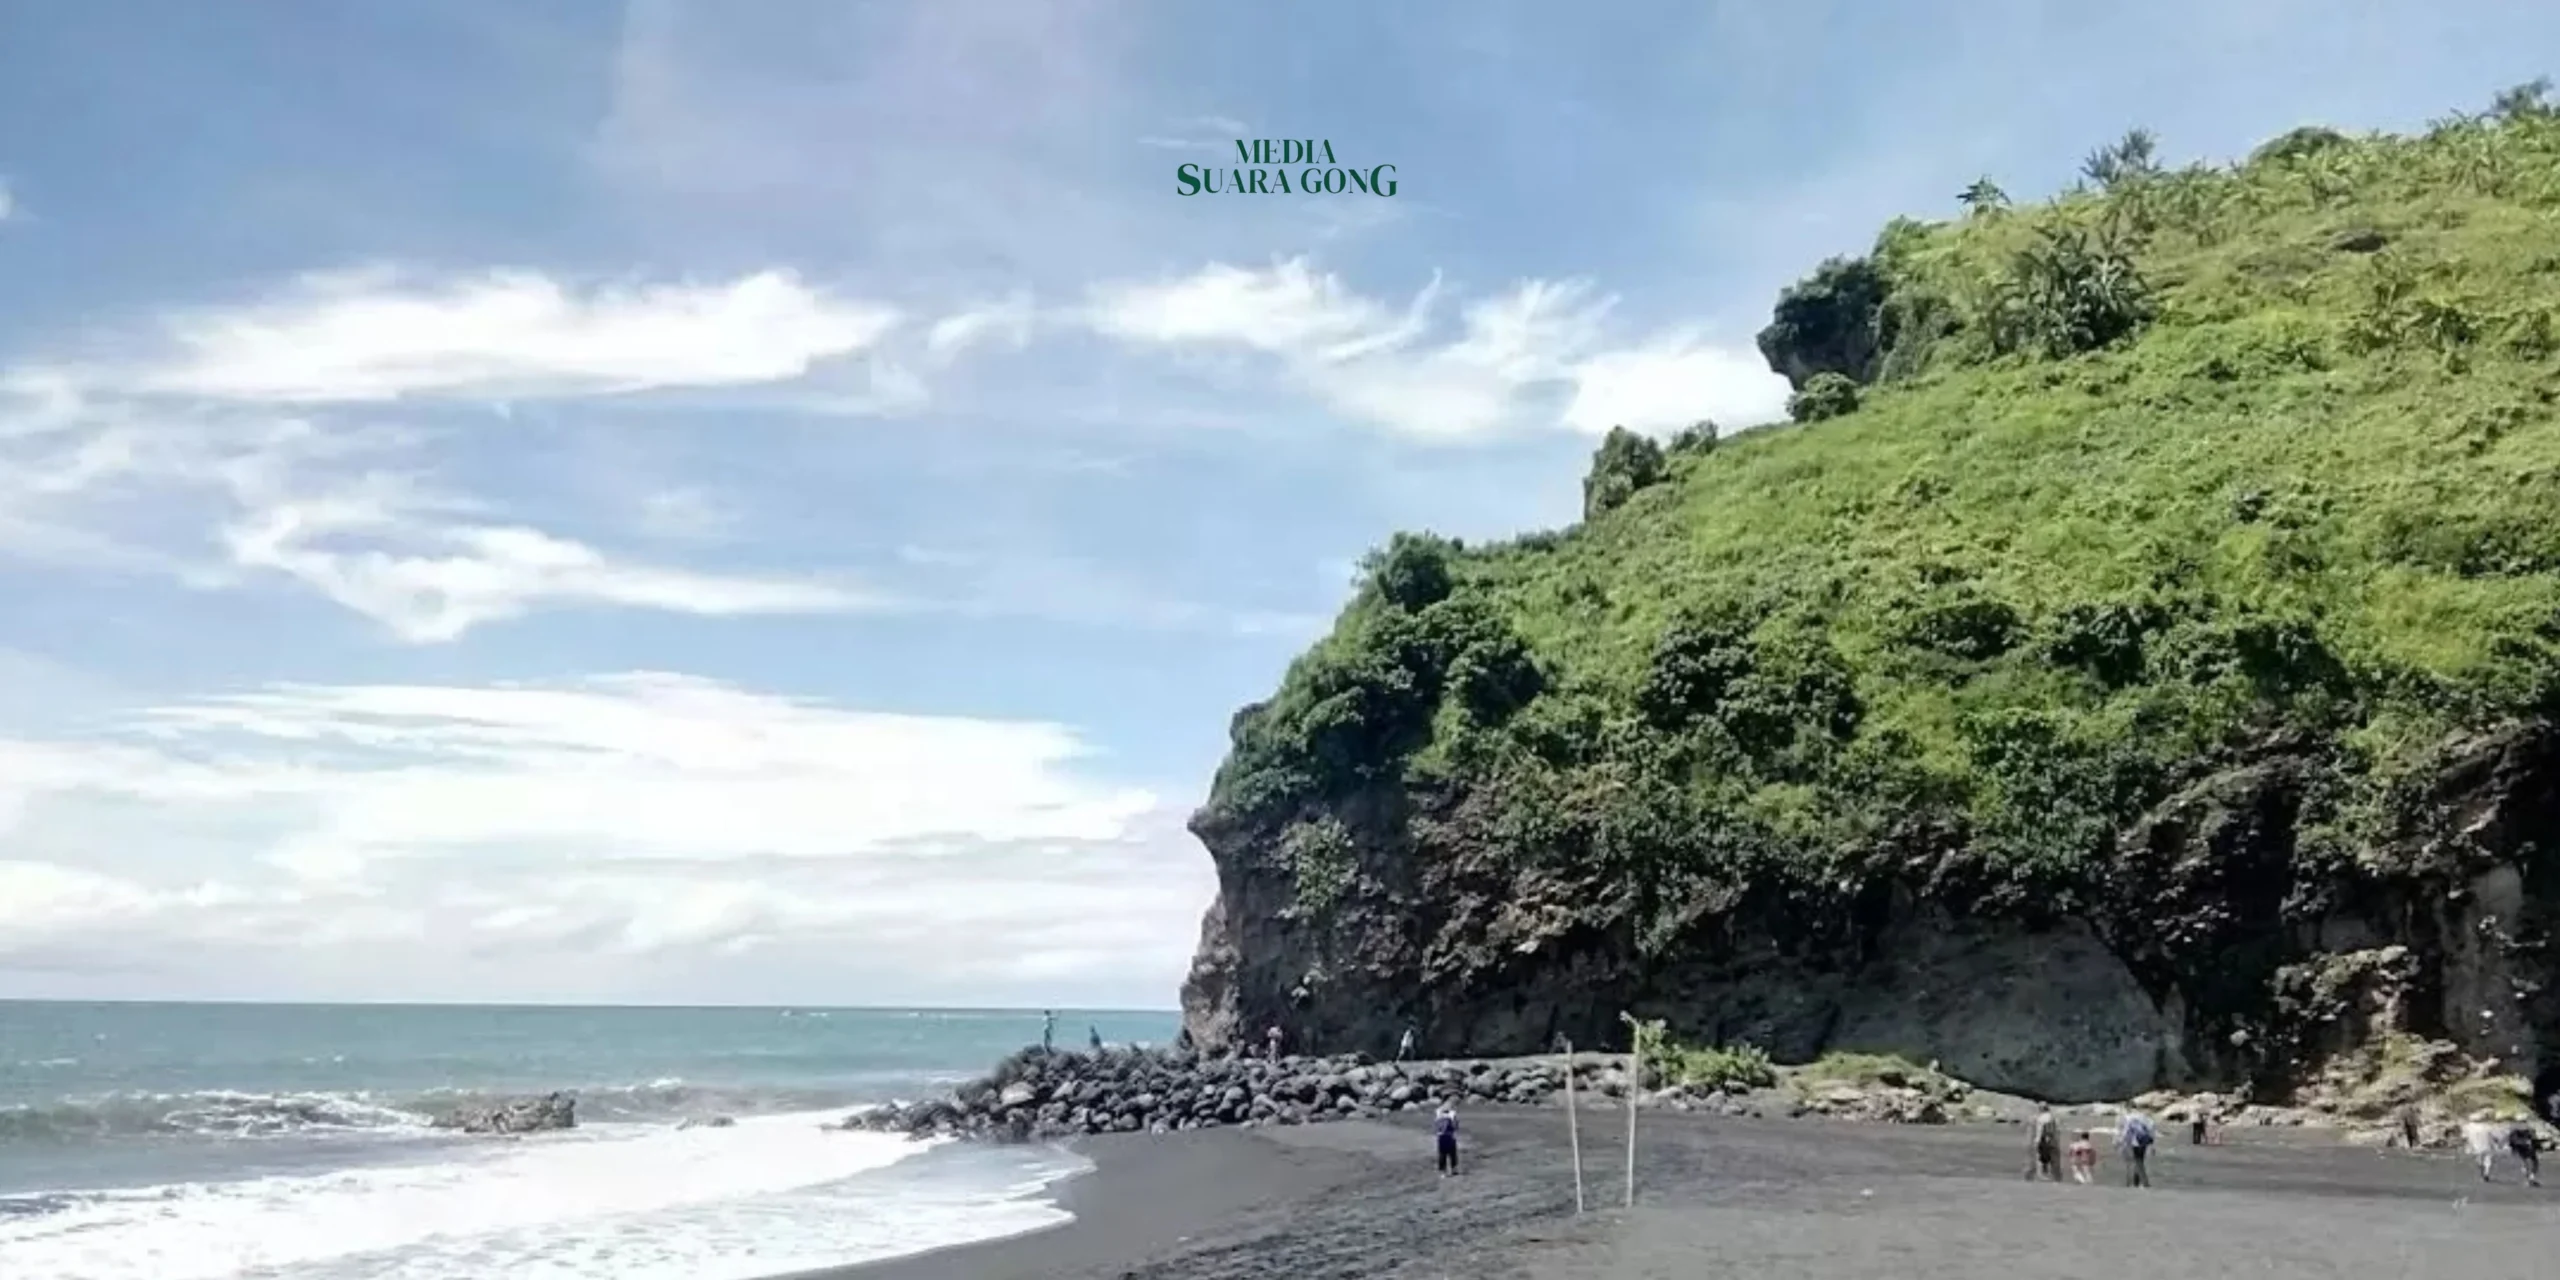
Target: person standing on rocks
x=2409 y=1125
x=1093 y=1035
x=1404 y=1046
x=1048 y=1030
x=1444 y=1134
x=2134 y=1139
x=1271 y=1041
x=2044 y=1145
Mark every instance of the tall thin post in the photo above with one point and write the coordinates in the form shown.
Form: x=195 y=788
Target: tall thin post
x=1573 y=1126
x=1635 y=1088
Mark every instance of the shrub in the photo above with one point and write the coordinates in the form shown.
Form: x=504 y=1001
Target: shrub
x=1825 y=395
x=1322 y=860
x=1734 y=1069
x=2069 y=293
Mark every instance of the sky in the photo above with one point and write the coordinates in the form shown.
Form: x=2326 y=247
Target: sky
x=776 y=503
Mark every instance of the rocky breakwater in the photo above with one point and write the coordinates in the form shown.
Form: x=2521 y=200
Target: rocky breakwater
x=556 y=1110
x=1036 y=1095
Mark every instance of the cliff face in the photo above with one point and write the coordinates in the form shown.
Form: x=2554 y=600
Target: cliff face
x=2235 y=958
x=2147 y=678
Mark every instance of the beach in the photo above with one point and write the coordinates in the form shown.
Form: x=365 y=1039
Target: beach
x=1771 y=1199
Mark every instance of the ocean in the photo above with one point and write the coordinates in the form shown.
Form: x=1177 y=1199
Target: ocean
x=291 y=1142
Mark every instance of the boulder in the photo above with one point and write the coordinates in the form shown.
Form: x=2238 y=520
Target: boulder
x=558 y=1110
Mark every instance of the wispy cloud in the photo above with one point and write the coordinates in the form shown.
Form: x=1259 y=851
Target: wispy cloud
x=375 y=335
x=8 y=201
x=1007 y=322
x=1384 y=365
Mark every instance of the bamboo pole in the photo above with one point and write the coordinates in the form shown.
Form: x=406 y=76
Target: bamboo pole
x=1573 y=1126
x=1635 y=1087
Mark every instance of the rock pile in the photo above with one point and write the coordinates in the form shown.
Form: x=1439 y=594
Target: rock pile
x=516 y=1115
x=1037 y=1094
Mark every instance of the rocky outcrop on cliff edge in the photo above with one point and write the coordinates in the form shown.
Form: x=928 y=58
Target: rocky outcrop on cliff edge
x=2230 y=949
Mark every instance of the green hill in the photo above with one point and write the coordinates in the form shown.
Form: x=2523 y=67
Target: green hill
x=2089 y=504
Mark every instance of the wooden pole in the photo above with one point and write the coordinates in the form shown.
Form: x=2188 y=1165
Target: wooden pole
x=1635 y=1086
x=1573 y=1127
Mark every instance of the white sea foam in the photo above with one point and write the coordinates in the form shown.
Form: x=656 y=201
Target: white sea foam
x=765 y=1196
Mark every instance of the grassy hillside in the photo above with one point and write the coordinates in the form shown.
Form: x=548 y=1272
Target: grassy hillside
x=2084 y=498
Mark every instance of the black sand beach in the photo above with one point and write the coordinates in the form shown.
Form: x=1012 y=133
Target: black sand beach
x=1770 y=1199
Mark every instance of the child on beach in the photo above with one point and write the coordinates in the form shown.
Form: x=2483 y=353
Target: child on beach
x=1444 y=1133
x=2084 y=1159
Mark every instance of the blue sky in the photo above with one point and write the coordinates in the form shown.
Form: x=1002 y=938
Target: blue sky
x=674 y=501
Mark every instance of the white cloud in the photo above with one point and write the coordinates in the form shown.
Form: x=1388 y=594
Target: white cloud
x=433 y=582
x=8 y=201
x=374 y=335
x=153 y=463
x=1385 y=366
x=1008 y=322
x=612 y=821
x=1671 y=382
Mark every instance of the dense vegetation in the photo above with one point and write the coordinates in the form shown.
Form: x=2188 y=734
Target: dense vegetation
x=2082 y=499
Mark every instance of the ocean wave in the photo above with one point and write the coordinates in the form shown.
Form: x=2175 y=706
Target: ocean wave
x=222 y=1113
x=650 y=1203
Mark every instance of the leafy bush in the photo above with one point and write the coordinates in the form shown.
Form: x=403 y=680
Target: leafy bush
x=1624 y=463
x=2069 y=293
x=1323 y=861
x=1825 y=395
x=1697 y=438
x=1734 y=1069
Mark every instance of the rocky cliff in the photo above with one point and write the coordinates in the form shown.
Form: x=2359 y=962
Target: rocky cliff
x=2149 y=682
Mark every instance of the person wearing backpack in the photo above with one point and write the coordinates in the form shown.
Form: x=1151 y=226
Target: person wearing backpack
x=2134 y=1140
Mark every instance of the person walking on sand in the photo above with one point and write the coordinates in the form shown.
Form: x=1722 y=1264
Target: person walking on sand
x=2044 y=1145
x=2134 y=1139
x=1404 y=1045
x=1048 y=1030
x=2527 y=1149
x=1444 y=1135
x=2084 y=1159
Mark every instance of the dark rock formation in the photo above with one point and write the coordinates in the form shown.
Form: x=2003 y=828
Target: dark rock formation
x=516 y=1115
x=2232 y=942
x=1038 y=1094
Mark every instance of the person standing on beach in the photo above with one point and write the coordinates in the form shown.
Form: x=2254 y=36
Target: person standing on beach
x=2044 y=1145
x=2134 y=1140
x=2527 y=1149
x=1093 y=1034
x=2409 y=1125
x=1404 y=1046
x=1444 y=1134
x=2084 y=1159
x=1048 y=1030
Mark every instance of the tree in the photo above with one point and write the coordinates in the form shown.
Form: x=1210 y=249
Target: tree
x=1698 y=437
x=1412 y=571
x=1982 y=197
x=1624 y=463
x=2526 y=101
x=2129 y=159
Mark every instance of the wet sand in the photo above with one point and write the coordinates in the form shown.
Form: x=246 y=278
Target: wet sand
x=1771 y=1199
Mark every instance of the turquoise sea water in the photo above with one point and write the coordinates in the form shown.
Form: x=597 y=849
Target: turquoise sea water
x=290 y=1141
